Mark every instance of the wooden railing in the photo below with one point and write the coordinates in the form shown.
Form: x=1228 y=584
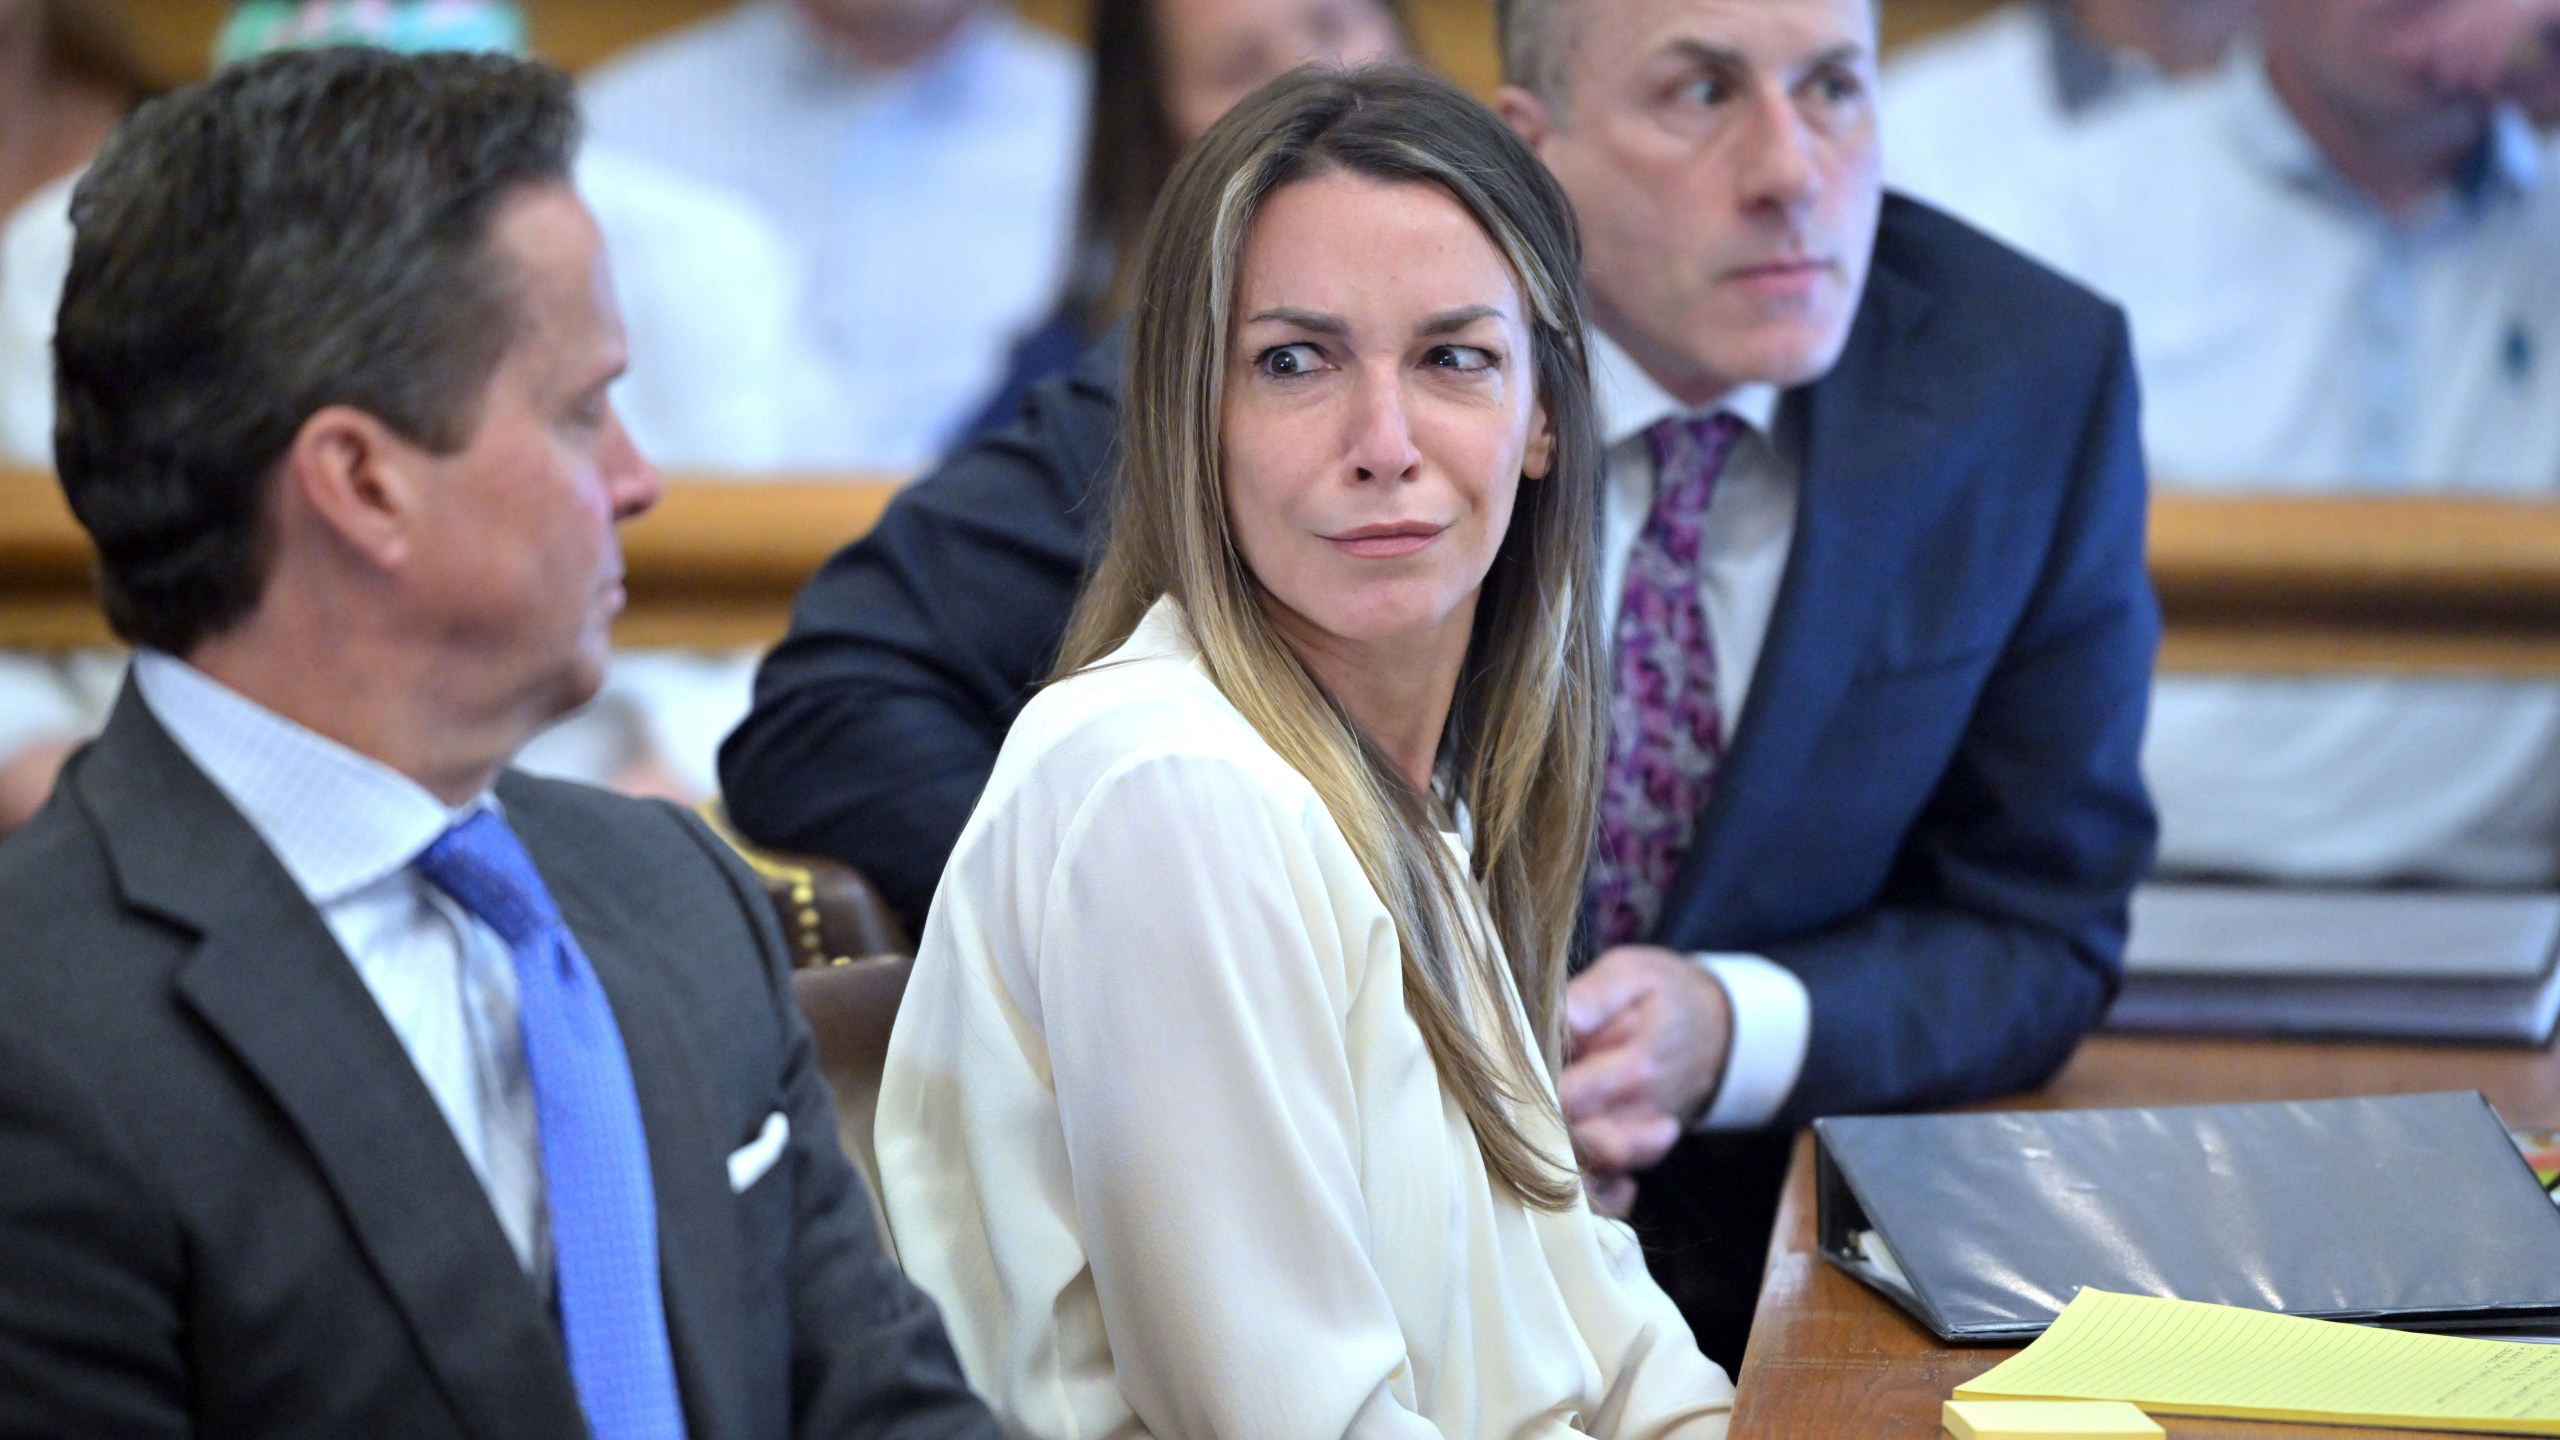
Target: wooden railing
x=714 y=564
x=2249 y=583
x=2357 y=582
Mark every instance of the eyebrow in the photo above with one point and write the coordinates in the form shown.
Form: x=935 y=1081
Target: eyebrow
x=1304 y=320
x=1847 y=52
x=1443 y=323
x=1450 y=321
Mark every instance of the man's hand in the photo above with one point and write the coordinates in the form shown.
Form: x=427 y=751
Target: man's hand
x=1646 y=1032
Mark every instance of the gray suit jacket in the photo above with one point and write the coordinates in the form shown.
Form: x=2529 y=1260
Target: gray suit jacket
x=229 y=1205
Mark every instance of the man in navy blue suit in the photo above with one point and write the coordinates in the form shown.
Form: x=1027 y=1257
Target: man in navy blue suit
x=1880 y=474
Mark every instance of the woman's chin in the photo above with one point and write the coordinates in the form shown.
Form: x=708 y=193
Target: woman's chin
x=1396 y=618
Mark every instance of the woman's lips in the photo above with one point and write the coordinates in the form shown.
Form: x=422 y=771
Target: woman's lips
x=1387 y=541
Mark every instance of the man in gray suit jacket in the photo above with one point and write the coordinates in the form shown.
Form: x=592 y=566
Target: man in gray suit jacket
x=348 y=1085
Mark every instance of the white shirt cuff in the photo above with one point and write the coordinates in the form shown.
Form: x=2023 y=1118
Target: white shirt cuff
x=1772 y=1022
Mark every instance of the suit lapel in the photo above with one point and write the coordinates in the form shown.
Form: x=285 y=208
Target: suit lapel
x=701 y=1269
x=270 y=980
x=1869 y=451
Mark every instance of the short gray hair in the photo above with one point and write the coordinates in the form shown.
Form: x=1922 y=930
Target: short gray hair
x=1536 y=51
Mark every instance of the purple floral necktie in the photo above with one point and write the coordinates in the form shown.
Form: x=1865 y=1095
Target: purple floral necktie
x=1666 y=732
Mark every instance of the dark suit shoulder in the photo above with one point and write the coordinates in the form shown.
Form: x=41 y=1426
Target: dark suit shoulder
x=74 y=945
x=57 y=845
x=591 y=820
x=655 y=866
x=603 y=826
x=1062 y=440
x=1986 y=292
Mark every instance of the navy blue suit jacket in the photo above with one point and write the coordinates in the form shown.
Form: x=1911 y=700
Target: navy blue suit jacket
x=1930 y=811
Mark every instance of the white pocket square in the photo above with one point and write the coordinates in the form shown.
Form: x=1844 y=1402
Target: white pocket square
x=748 y=1162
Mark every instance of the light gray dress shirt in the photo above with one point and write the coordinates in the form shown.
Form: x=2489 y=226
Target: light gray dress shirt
x=349 y=830
x=1750 y=524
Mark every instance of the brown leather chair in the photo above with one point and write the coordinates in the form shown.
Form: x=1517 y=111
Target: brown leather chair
x=850 y=958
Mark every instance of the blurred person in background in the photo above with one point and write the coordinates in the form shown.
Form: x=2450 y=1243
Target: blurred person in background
x=67 y=75
x=1163 y=72
x=919 y=156
x=1970 y=101
x=2338 y=253
x=719 y=380
x=2503 y=49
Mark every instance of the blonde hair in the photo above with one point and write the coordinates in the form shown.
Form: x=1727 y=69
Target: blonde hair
x=1524 y=741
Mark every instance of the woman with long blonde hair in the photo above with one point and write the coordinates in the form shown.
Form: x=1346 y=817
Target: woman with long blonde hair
x=1221 y=1101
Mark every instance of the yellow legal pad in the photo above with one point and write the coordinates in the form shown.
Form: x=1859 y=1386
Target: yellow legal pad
x=2048 y=1420
x=2176 y=1357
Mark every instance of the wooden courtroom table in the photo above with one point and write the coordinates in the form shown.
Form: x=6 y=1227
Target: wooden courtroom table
x=1830 y=1359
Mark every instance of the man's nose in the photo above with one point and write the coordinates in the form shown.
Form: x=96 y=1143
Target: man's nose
x=633 y=483
x=1779 y=167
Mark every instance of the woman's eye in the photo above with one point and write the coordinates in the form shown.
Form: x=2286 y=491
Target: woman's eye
x=1288 y=360
x=1459 y=357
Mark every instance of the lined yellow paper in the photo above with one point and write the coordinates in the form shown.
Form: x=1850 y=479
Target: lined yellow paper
x=2177 y=1357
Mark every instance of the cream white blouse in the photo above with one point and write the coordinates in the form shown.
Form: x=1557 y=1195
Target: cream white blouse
x=1158 y=1133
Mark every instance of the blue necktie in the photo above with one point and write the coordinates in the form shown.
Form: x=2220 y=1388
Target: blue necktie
x=595 y=1157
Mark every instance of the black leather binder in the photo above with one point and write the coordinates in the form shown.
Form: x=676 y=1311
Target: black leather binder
x=2412 y=1210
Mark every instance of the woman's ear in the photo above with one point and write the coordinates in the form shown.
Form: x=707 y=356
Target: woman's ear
x=1541 y=456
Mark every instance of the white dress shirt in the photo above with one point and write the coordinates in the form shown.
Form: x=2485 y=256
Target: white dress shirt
x=2290 y=335
x=929 y=206
x=349 y=830
x=1742 y=560
x=1159 y=1134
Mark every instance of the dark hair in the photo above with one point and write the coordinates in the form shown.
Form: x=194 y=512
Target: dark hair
x=1129 y=153
x=302 y=230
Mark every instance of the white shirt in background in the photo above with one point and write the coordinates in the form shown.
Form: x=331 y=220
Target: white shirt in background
x=2292 y=337
x=1159 y=1134
x=349 y=830
x=1959 y=108
x=928 y=207
x=35 y=253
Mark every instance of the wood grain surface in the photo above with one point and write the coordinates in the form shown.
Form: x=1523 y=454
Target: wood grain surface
x=714 y=564
x=2249 y=583
x=1831 y=1359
